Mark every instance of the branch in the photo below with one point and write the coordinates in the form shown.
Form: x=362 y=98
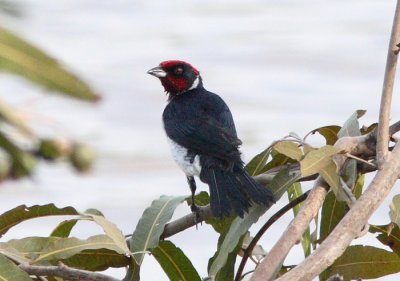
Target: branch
x=273 y=261
x=351 y=225
x=247 y=252
x=386 y=99
x=65 y=272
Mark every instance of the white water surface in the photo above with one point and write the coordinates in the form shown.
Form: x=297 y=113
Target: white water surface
x=281 y=66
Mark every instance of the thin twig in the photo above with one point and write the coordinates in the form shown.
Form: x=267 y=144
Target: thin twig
x=247 y=252
x=388 y=83
x=65 y=272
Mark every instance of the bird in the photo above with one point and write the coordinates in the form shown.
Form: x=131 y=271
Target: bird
x=202 y=136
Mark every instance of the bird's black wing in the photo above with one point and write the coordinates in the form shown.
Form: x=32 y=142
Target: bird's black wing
x=203 y=123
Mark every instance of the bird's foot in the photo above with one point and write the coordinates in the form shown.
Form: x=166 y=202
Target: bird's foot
x=196 y=210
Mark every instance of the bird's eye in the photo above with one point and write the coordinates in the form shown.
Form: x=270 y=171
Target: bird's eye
x=178 y=71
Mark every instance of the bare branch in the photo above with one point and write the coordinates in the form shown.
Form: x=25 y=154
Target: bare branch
x=65 y=272
x=386 y=99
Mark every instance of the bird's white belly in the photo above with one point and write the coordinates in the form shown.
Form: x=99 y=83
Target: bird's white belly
x=180 y=155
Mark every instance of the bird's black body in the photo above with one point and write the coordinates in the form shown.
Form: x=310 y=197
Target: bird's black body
x=204 y=142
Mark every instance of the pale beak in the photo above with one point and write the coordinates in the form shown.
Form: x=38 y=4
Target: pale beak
x=157 y=72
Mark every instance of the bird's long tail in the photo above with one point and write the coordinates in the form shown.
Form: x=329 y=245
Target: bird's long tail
x=234 y=190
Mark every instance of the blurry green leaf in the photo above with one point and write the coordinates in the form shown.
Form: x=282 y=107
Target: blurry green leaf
x=282 y=181
x=364 y=262
x=359 y=185
x=295 y=191
x=9 y=115
x=151 y=225
x=97 y=260
x=332 y=212
x=317 y=160
x=365 y=130
x=394 y=213
x=257 y=163
x=63 y=248
x=82 y=157
x=19 y=57
x=10 y=272
x=64 y=228
x=290 y=149
x=351 y=127
x=330 y=133
x=238 y=228
x=22 y=162
x=133 y=272
x=22 y=213
x=174 y=262
x=389 y=235
x=112 y=231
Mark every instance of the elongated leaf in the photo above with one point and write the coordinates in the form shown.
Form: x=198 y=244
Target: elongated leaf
x=332 y=212
x=10 y=272
x=63 y=248
x=64 y=228
x=96 y=260
x=112 y=231
x=389 y=235
x=258 y=162
x=290 y=149
x=317 y=160
x=133 y=272
x=174 y=262
x=238 y=228
x=330 y=133
x=295 y=191
x=351 y=127
x=151 y=225
x=19 y=57
x=278 y=159
x=227 y=271
x=365 y=262
x=394 y=213
x=22 y=213
x=12 y=253
x=10 y=115
x=31 y=247
x=282 y=181
x=331 y=176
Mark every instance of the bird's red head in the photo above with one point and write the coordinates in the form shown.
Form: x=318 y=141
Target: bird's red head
x=176 y=76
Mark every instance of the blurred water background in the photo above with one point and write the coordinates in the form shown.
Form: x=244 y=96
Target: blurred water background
x=281 y=66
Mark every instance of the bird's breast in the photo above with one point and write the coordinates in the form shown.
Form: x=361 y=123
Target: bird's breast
x=186 y=160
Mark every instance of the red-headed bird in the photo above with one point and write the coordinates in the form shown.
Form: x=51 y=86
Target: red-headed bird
x=204 y=143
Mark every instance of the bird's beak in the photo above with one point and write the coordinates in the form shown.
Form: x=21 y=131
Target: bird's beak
x=157 y=72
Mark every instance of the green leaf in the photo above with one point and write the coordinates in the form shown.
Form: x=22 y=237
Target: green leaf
x=174 y=262
x=295 y=191
x=10 y=115
x=64 y=228
x=282 y=181
x=151 y=225
x=290 y=149
x=331 y=176
x=330 y=133
x=97 y=260
x=351 y=127
x=258 y=162
x=389 y=235
x=112 y=231
x=365 y=262
x=394 y=213
x=10 y=272
x=12 y=253
x=31 y=247
x=332 y=212
x=21 y=58
x=22 y=213
x=276 y=161
x=227 y=271
x=317 y=160
x=238 y=228
x=63 y=248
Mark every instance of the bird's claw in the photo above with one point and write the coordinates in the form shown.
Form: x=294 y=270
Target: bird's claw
x=196 y=210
